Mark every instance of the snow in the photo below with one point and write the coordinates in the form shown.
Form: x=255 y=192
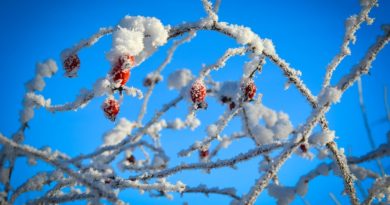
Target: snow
x=244 y=36
x=250 y=66
x=283 y=127
x=192 y=121
x=101 y=87
x=262 y=135
x=177 y=124
x=125 y=41
x=42 y=70
x=277 y=124
x=156 y=128
x=30 y=101
x=179 y=79
x=322 y=138
x=229 y=89
x=119 y=132
x=212 y=130
x=269 y=46
x=330 y=94
x=153 y=32
x=283 y=195
x=47 y=68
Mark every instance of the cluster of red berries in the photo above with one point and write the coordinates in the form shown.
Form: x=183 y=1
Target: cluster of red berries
x=120 y=73
x=249 y=89
x=198 y=94
x=71 y=65
x=111 y=108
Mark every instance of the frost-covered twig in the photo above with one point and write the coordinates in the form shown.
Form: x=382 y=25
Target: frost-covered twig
x=380 y=190
x=52 y=160
x=215 y=190
x=87 y=42
x=157 y=72
x=211 y=165
x=352 y=25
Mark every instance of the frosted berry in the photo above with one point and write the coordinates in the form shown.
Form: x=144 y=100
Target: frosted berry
x=249 y=89
x=71 y=65
x=120 y=73
x=111 y=108
x=198 y=91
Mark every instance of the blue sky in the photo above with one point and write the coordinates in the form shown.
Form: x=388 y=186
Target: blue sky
x=306 y=33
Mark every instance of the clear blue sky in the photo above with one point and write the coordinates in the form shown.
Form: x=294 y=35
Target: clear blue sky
x=306 y=33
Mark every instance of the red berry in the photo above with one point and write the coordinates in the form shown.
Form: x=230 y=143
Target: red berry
x=249 y=89
x=71 y=65
x=121 y=71
x=111 y=108
x=198 y=91
x=203 y=153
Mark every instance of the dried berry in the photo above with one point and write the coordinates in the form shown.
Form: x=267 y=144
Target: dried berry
x=225 y=99
x=204 y=153
x=111 y=108
x=71 y=65
x=131 y=159
x=232 y=105
x=303 y=148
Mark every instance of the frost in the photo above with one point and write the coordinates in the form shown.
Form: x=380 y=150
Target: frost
x=283 y=195
x=269 y=46
x=179 y=79
x=177 y=124
x=192 y=122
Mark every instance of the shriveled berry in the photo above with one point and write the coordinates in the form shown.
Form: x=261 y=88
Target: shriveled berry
x=71 y=65
x=131 y=159
x=225 y=99
x=111 y=108
x=232 y=105
x=303 y=148
x=204 y=153
x=120 y=73
x=147 y=82
x=198 y=91
x=249 y=89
